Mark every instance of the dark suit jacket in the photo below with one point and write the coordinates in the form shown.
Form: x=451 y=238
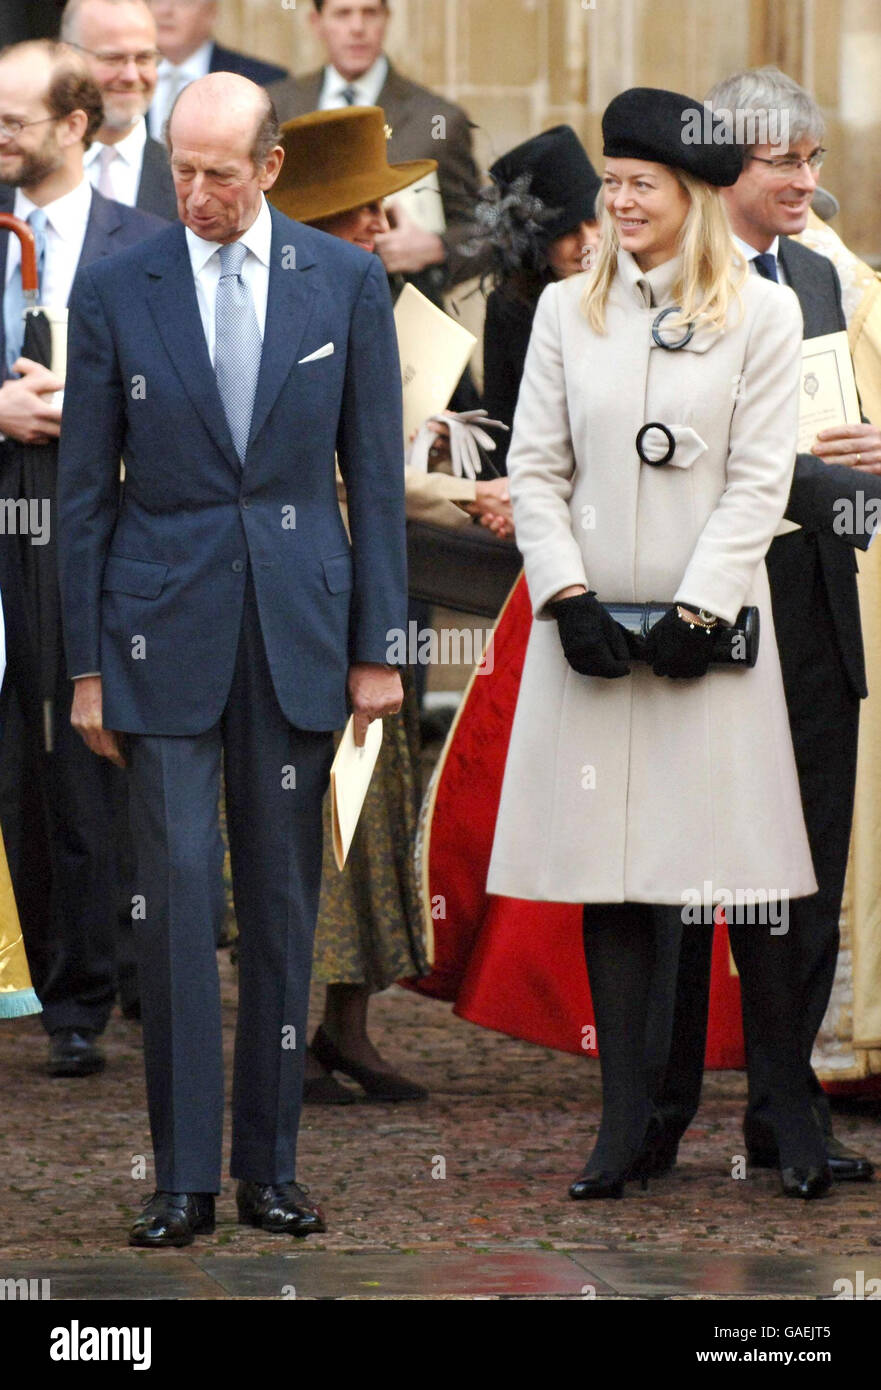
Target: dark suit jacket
x=412 y=112
x=156 y=187
x=817 y=486
x=228 y=60
x=169 y=563
x=111 y=227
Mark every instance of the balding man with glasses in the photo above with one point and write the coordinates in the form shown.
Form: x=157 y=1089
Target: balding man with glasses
x=117 y=39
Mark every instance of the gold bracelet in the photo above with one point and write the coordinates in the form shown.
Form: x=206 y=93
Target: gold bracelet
x=696 y=620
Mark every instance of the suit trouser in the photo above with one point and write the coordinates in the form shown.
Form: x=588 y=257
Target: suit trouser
x=824 y=717
x=275 y=778
x=59 y=809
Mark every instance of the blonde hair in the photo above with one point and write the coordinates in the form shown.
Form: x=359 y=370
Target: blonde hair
x=713 y=268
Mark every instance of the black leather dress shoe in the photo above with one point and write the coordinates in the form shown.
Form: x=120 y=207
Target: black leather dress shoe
x=806 y=1182
x=282 y=1208
x=74 y=1052
x=173 y=1218
x=845 y=1165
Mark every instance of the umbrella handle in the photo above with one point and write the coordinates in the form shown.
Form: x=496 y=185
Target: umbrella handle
x=29 y=279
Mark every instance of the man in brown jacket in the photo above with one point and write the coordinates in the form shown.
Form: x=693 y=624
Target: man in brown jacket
x=422 y=125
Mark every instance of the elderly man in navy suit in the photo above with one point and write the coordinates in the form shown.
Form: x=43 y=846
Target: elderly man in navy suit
x=221 y=609
x=59 y=810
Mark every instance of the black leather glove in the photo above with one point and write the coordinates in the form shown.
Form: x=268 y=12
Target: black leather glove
x=593 y=643
x=677 y=649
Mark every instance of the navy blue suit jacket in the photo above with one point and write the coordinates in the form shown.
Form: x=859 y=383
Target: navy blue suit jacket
x=228 y=60
x=167 y=564
x=111 y=227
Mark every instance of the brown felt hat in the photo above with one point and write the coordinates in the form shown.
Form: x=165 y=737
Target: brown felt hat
x=335 y=161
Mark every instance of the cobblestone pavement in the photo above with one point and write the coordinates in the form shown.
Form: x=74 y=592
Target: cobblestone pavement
x=512 y=1124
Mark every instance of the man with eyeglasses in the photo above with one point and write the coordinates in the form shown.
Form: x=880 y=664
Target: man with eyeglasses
x=189 y=50
x=812 y=573
x=62 y=849
x=117 y=39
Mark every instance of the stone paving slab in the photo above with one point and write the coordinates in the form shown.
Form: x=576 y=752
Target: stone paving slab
x=383 y=1275
x=425 y=1275
x=750 y=1275
x=153 y=1275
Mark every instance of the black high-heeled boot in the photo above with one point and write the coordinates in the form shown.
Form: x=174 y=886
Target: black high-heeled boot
x=607 y=1184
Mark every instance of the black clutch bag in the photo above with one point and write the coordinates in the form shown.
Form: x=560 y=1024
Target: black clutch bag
x=734 y=645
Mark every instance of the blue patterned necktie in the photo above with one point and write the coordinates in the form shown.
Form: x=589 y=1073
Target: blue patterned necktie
x=238 y=345
x=13 y=299
x=766 y=265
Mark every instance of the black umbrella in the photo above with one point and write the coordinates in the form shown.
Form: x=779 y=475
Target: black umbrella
x=30 y=474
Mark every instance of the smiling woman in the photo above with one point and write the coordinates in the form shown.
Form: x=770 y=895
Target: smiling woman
x=623 y=748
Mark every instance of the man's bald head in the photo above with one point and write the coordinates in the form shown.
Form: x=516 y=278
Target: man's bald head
x=224 y=101
x=223 y=141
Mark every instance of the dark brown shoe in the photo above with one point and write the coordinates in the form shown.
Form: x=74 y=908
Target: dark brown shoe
x=379 y=1085
x=173 y=1218
x=282 y=1208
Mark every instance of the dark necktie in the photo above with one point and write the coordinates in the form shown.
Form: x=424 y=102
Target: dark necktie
x=349 y=95
x=766 y=265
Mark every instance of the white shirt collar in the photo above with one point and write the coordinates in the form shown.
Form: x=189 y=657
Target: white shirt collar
x=258 y=240
x=368 y=85
x=750 y=251
x=191 y=68
x=67 y=215
x=130 y=148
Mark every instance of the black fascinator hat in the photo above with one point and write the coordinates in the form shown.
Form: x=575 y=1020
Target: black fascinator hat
x=541 y=189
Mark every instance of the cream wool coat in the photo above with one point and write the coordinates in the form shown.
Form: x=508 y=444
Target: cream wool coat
x=645 y=789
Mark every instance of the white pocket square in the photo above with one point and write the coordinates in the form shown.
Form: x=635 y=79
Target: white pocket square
x=325 y=351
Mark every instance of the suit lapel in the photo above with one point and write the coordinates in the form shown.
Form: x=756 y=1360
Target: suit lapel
x=104 y=221
x=394 y=98
x=175 y=310
x=291 y=298
x=803 y=274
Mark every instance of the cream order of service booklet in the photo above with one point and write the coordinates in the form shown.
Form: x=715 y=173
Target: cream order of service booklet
x=350 y=775
x=434 y=352
x=827 y=394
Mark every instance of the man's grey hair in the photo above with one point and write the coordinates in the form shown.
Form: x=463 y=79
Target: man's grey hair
x=70 y=16
x=757 y=91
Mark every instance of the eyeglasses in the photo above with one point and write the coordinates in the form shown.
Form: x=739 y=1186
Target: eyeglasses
x=12 y=126
x=146 y=59
x=791 y=163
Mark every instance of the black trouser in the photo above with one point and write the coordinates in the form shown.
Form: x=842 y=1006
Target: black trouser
x=824 y=719
x=629 y=949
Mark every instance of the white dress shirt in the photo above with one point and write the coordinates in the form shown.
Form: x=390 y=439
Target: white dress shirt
x=66 y=221
x=125 y=168
x=172 y=79
x=205 y=261
x=367 y=87
x=750 y=253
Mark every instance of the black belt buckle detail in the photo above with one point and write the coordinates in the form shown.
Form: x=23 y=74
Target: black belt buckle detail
x=671 y=443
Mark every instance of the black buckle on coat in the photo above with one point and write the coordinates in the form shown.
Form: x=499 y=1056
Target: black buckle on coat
x=671 y=443
x=656 y=330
